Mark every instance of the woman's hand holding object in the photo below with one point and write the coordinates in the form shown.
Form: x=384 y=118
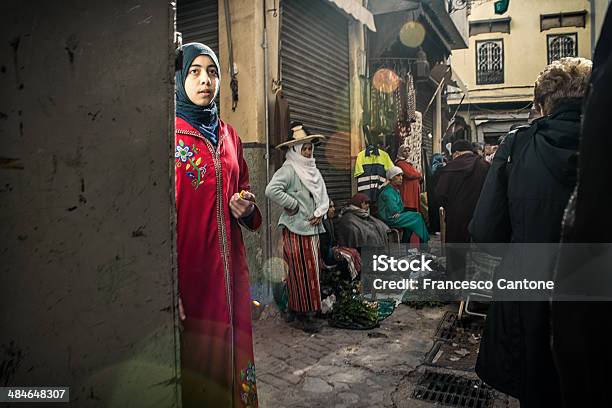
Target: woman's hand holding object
x=242 y=204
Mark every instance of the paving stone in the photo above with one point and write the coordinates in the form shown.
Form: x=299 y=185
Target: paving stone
x=313 y=354
x=339 y=386
x=349 y=397
x=298 y=364
x=316 y=347
x=378 y=397
x=274 y=381
x=316 y=385
x=281 y=351
x=274 y=366
x=324 y=370
x=351 y=376
x=289 y=377
x=307 y=359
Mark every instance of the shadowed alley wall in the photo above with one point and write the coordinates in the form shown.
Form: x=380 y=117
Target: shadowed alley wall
x=86 y=200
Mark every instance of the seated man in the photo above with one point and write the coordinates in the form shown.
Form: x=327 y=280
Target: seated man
x=345 y=258
x=356 y=228
x=391 y=208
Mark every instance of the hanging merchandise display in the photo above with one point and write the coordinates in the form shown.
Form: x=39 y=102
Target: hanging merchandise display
x=391 y=104
x=407 y=97
x=385 y=107
x=406 y=114
x=415 y=140
x=371 y=168
x=410 y=98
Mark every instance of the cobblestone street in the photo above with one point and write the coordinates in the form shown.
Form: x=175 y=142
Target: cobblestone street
x=341 y=368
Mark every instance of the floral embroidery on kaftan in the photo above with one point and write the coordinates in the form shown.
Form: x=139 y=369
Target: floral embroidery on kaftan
x=248 y=392
x=194 y=169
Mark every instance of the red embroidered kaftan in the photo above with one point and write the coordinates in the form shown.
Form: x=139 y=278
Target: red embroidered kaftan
x=217 y=347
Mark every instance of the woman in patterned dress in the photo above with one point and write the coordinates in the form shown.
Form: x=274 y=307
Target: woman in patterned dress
x=299 y=189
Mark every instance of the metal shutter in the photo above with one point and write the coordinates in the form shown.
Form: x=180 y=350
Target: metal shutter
x=198 y=21
x=315 y=80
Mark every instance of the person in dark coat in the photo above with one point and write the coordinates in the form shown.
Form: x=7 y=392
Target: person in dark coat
x=327 y=239
x=530 y=181
x=458 y=190
x=584 y=370
x=345 y=259
x=356 y=228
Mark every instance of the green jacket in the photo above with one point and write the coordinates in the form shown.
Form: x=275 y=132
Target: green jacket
x=286 y=190
x=390 y=203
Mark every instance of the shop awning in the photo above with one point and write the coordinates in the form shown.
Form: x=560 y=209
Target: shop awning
x=359 y=13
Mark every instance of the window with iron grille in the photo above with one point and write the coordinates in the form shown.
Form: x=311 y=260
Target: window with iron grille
x=561 y=46
x=489 y=62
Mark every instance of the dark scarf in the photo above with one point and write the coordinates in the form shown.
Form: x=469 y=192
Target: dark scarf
x=203 y=119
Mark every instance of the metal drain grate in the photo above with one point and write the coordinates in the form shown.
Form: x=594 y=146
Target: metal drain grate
x=454 y=391
x=446 y=328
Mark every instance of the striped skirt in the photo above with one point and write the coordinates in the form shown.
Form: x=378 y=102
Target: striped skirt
x=301 y=255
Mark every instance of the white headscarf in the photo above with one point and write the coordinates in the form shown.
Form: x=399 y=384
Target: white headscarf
x=394 y=171
x=307 y=171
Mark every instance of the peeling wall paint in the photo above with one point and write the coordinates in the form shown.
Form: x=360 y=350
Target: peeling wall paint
x=87 y=275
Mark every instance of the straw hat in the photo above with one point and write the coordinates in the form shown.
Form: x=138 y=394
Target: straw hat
x=299 y=135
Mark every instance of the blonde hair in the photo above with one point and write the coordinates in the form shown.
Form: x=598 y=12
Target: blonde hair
x=563 y=81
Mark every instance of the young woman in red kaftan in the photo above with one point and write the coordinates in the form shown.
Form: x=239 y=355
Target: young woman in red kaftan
x=217 y=349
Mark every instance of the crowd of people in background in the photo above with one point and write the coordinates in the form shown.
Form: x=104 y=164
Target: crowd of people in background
x=313 y=230
x=514 y=192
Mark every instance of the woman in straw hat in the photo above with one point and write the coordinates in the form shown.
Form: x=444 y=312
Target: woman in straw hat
x=299 y=189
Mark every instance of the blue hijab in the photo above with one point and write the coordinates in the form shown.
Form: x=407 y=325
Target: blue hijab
x=205 y=119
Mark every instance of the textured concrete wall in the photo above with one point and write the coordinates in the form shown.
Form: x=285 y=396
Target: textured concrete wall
x=255 y=242
x=249 y=118
x=357 y=64
x=86 y=204
x=246 y=18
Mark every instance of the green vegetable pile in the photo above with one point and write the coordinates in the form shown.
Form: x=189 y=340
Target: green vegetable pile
x=354 y=312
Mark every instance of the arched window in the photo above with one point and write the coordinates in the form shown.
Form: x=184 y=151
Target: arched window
x=561 y=46
x=489 y=62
